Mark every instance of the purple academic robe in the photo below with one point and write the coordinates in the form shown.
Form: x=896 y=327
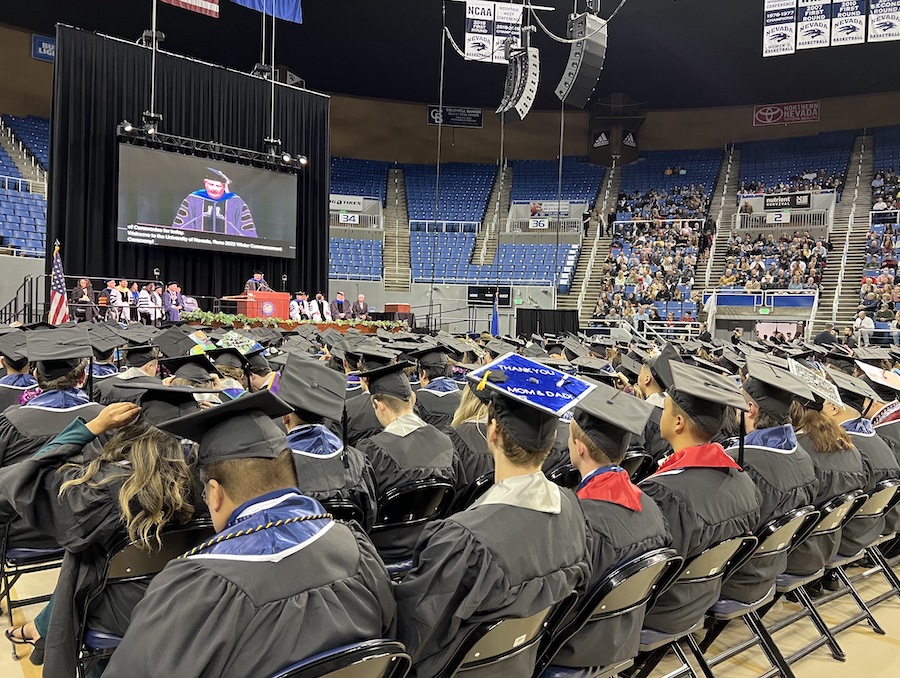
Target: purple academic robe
x=229 y=215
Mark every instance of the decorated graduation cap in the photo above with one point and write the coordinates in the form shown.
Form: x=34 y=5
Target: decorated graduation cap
x=161 y=404
x=195 y=368
x=818 y=383
x=55 y=353
x=12 y=348
x=661 y=366
x=310 y=386
x=528 y=397
x=609 y=417
x=703 y=395
x=389 y=380
x=886 y=383
x=854 y=392
x=773 y=389
x=239 y=429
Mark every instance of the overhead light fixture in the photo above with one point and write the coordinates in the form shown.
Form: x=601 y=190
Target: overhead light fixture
x=286 y=158
x=152 y=122
x=303 y=160
x=124 y=127
x=273 y=146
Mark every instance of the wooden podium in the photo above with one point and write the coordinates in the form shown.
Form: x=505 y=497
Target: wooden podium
x=264 y=304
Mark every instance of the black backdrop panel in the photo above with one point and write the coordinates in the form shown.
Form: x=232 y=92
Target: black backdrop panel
x=98 y=82
x=542 y=321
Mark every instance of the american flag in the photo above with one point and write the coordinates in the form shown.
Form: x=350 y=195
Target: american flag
x=207 y=7
x=59 y=302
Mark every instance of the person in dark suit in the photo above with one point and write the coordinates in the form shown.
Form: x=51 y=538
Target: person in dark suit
x=360 y=308
x=340 y=309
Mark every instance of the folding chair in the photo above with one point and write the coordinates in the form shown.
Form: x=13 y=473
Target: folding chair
x=565 y=476
x=638 y=464
x=775 y=539
x=127 y=562
x=346 y=511
x=876 y=554
x=494 y=643
x=16 y=562
x=624 y=591
x=410 y=505
x=369 y=659
x=714 y=564
x=465 y=498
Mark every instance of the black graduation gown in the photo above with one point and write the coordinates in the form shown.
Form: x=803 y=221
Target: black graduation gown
x=837 y=473
x=209 y=617
x=786 y=479
x=470 y=443
x=437 y=408
x=491 y=561
x=86 y=522
x=107 y=391
x=361 y=420
x=559 y=453
x=881 y=464
x=890 y=433
x=619 y=535
x=346 y=476
x=24 y=430
x=651 y=439
x=701 y=506
x=398 y=460
x=9 y=395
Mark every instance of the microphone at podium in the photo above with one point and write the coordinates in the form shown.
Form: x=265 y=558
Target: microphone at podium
x=257 y=283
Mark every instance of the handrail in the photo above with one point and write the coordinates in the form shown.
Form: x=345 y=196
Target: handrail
x=590 y=266
x=712 y=245
x=837 y=293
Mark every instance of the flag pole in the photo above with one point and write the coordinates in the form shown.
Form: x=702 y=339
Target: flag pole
x=272 y=76
x=153 y=59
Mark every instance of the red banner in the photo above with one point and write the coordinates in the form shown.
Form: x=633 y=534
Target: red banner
x=786 y=114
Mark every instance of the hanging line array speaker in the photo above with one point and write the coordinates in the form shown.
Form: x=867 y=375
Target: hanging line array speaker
x=585 y=60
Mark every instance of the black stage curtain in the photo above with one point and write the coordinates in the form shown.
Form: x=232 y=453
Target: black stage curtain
x=541 y=321
x=98 y=82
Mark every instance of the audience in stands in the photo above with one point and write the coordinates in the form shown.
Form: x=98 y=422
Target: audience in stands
x=771 y=263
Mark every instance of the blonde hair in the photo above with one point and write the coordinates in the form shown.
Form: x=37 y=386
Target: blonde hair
x=470 y=407
x=824 y=432
x=158 y=482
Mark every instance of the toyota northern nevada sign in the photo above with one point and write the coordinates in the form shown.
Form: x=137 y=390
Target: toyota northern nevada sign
x=786 y=114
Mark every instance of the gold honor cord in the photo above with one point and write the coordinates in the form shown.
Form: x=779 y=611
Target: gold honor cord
x=243 y=533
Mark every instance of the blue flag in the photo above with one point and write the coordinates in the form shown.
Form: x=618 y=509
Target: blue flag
x=289 y=10
x=495 y=317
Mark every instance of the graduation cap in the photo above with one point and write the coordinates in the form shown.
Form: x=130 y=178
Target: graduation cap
x=257 y=360
x=704 y=395
x=773 y=389
x=195 y=368
x=528 y=397
x=629 y=366
x=229 y=357
x=560 y=364
x=30 y=327
x=311 y=386
x=573 y=348
x=161 y=404
x=432 y=355
x=705 y=364
x=57 y=352
x=104 y=341
x=137 y=333
x=661 y=366
x=535 y=351
x=372 y=356
x=239 y=429
x=731 y=360
x=12 y=348
x=872 y=354
x=886 y=383
x=822 y=389
x=389 y=380
x=594 y=367
x=854 y=392
x=174 y=343
x=498 y=347
x=216 y=175
x=609 y=417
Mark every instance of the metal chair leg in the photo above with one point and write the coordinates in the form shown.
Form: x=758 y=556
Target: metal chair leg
x=698 y=655
x=714 y=631
x=870 y=619
x=820 y=624
x=876 y=555
x=767 y=644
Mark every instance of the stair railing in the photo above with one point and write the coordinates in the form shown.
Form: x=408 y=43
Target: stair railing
x=604 y=212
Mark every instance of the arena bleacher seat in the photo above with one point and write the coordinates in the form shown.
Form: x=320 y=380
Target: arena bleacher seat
x=539 y=180
x=7 y=166
x=34 y=132
x=445 y=258
x=465 y=189
x=886 y=182
x=785 y=161
x=355 y=259
x=23 y=221
x=366 y=178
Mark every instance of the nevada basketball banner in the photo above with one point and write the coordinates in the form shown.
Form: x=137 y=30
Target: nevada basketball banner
x=488 y=26
x=780 y=27
x=813 y=24
x=848 y=22
x=884 y=20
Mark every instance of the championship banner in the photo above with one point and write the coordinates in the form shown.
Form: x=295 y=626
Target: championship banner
x=780 y=27
x=488 y=26
x=848 y=22
x=813 y=24
x=884 y=20
x=786 y=114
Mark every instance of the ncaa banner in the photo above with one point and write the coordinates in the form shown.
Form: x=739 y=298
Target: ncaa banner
x=507 y=26
x=884 y=20
x=488 y=26
x=848 y=22
x=813 y=23
x=780 y=27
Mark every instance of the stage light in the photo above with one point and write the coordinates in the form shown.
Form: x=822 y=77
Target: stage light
x=273 y=146
x=126 y=126
x=303 y=160
x=151 y=122
x=286 y=158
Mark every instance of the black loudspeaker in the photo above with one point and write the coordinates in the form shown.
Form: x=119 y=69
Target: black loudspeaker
x=585 y=60
x=522 y=78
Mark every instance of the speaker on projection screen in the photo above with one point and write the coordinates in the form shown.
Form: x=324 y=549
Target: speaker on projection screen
x=585 y=60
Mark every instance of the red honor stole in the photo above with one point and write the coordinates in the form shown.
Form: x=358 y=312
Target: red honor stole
x=711 y=455
x=615 y=487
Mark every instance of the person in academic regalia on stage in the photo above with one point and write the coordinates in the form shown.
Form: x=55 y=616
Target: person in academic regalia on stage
x=326 y=468
x=60 y=358
x=624 y=521
x=215 y=209
x=280 y=582
x=257 y=283
x=439 y=395
x=521 y=548
x=782 y=470
x=703 y=493
x=17 y=379
x=87 y=500
x=408 y=449
x=173 y=302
